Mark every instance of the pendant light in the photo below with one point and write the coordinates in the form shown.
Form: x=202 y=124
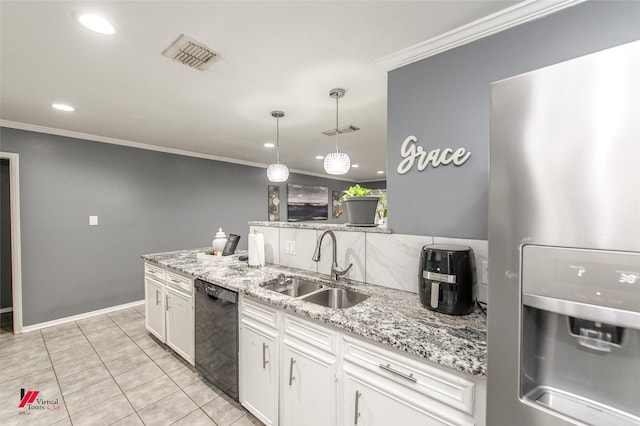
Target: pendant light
x=277 y=172
x=337 y=163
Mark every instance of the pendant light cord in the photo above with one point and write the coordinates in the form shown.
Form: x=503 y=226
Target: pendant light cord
x=337 y=147
x=277 y=140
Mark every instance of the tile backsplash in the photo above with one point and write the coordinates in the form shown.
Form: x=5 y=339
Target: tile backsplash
x=388 y=260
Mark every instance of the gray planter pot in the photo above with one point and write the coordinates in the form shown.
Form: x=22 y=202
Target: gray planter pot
x=362 y=210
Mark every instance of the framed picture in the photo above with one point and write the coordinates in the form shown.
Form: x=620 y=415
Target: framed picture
x=307 y=203
x=273 y=203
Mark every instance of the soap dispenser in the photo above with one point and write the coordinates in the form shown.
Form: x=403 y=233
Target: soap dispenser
x=219 y=242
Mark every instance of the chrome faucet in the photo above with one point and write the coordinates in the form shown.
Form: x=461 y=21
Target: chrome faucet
x=336 y=272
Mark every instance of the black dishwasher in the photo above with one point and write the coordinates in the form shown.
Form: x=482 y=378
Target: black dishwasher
x=216 y=324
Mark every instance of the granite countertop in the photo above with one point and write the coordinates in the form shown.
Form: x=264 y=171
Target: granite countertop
x=380 y=229
x=392 y=317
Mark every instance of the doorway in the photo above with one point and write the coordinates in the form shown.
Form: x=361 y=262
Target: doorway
x=10 y=267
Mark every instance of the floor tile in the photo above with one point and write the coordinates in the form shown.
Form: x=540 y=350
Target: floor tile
x=63 y=330
x=169 y=362
x=107 y=342
x=184 y=376
x=247 y=420
x=111 y=353
x=110 y=411
x=15 y=346
x=77 y=365
x=168 y=410
x=224 y=411
x=201 y=393
x=132 y=420
x=95 y=323
x=71 y=354
x=88 y=397
x=139 y=376
x=83 y=379
x=22 y=370
x=104 y=335
x=65 y=343
x=127 y=362
x=196 y=418
x=43 y=381
x=151 y=392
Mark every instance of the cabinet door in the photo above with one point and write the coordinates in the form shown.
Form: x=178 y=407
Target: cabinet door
x=154 y=308
x=370 y=404
x=308 y=386
x=259 y=371
x=180 y=327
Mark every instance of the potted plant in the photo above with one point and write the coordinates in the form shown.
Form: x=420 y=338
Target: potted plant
x=361 y=206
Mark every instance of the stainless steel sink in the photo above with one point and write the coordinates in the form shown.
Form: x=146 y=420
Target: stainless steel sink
x=336 y=298
x=294 y=287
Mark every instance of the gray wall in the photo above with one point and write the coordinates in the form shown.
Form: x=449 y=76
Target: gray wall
x=146 y=202
x=6 y=297
x=445 y=102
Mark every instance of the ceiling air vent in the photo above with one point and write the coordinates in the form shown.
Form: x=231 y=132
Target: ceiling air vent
x=191 y=53
x=341 y=130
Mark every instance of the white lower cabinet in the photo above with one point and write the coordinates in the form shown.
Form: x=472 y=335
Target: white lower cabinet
x=308 y=379
x=154 y=308
x=259 y=360
x=180 y=323
x=169 y=310
x=296 y=371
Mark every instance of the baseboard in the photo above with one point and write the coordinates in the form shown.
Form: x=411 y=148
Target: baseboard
x=5 y=310
x=65 y=320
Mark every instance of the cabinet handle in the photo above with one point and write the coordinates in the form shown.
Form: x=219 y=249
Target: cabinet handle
x=264 y=355
x=357 y=413
x=157 y=297
x=293 y=361
x=398 y=373
x=167 y=302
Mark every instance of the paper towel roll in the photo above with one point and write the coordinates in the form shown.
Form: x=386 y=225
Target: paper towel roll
x=256 y=250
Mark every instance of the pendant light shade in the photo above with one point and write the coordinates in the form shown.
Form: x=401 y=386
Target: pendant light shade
x=277 y=172
x=337 y=163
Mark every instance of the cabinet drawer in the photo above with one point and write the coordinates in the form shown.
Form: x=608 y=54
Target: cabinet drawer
x=322 y=337
x=179 y=282
x=154 y=271
x=258 y=312
x=434 y=382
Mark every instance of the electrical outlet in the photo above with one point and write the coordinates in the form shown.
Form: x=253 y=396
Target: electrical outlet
x=484 y=272
x=93 y=220
x=290 y=247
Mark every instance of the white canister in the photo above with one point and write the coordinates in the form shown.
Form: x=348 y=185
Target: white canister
x=219 y=241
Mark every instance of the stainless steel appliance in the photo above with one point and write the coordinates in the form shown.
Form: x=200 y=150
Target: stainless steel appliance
x=564 y=244
x=216 y=323
x=447 y=278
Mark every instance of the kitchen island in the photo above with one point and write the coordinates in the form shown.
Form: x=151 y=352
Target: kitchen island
x=390 y=317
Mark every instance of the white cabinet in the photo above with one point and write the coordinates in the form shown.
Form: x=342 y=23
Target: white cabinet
x=169 y=313
x=259 y=360
x=296 y=371
x=180 y=323
x=383 y=386
x=154 y=307
x=308 y=374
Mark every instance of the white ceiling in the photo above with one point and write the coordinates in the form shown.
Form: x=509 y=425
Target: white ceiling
x=283 y=55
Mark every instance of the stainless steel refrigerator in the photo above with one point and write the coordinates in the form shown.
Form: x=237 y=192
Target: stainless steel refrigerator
x=564 y=244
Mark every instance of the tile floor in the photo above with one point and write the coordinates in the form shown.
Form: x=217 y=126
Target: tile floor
x=105 y=370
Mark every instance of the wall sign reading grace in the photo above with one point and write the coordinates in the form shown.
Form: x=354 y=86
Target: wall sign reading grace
x=410 y=152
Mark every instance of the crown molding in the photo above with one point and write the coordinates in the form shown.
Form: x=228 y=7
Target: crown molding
x=510 y=17
x=139 y=145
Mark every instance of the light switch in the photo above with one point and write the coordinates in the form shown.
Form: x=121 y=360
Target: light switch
x=290 y=247
x=93 y=220
x=484 y=272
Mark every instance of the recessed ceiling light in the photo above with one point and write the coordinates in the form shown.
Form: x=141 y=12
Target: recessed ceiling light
x=95 y=23
x=63 y=107
x=269 y=145
x=380 y=172
x=355 y=165
x=319 y=157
